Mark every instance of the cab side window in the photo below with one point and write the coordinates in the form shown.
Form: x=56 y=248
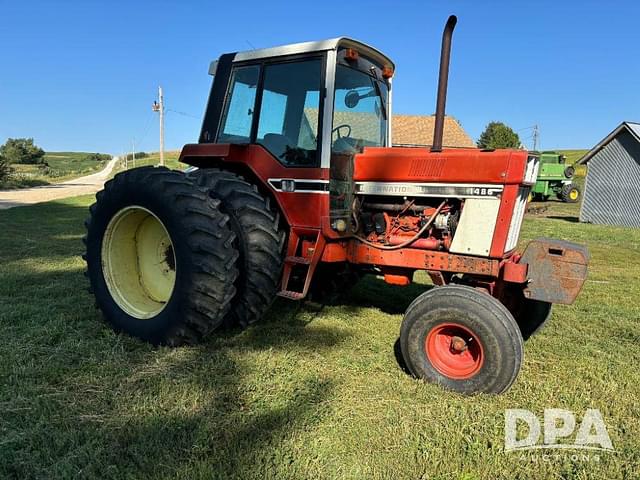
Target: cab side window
x=290 y=112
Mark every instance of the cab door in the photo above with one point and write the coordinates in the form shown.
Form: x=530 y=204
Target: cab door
x=277 y=105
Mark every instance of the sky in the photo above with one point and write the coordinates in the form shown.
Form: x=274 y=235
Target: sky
x=82 y=75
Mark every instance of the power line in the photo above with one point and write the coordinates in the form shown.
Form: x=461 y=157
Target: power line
x=145 y=130
x=535 y=135
x=182 y=113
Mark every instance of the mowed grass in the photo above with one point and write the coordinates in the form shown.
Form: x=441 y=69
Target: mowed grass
x=306 y=393
x=62 y=166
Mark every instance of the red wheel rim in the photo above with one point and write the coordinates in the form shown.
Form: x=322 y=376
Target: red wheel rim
x=455 y=351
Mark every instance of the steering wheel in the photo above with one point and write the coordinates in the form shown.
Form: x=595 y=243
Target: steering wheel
x=337 y=129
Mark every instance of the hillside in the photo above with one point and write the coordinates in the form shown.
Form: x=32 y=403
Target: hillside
x=573 y=155
x=58 y=167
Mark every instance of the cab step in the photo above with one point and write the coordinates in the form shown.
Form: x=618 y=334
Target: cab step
x=291 y=295
x=293 y=259
x=297 y=260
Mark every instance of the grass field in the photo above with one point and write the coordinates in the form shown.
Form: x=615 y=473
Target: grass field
x=573 y=155
x=305 y=394
x=170 y=158
x=62 y=166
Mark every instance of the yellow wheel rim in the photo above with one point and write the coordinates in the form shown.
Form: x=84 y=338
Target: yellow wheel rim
x=573 y=194
x=530 y=198
x=138 y=262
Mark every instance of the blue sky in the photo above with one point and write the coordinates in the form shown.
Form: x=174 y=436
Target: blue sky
x=82 y=75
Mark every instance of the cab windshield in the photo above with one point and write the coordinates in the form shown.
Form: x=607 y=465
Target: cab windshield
x=359 y=113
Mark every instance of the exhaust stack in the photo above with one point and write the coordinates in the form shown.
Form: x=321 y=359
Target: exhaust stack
x=443 y=78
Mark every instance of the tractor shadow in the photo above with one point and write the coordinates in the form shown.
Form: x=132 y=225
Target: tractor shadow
x=373 y=292
x=109 y=405
x=232 y=433
x=255 y=395
x=228 y=406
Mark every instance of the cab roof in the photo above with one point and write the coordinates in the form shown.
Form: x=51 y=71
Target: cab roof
x=309 y=47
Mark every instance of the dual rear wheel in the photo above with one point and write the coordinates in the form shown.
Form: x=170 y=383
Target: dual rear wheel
x=171 y=258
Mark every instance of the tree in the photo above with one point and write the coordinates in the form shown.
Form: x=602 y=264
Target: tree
x=21 y=150
x=5 y=169
x=498 y=135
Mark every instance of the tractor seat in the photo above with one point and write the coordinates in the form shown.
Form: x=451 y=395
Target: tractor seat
x=277 y=144
x=288 y=152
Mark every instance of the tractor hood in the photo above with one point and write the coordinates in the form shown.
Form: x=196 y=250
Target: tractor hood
x=461 y=166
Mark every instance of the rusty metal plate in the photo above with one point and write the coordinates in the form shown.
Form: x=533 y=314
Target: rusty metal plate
x=556 y=270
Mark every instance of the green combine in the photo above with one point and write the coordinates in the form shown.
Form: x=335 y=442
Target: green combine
x=555 y=178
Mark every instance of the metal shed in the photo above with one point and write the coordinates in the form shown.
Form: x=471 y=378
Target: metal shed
x=612 y=188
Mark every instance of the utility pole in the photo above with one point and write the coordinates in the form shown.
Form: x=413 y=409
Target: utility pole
x=536 y=135
x=133 y=152
x=159 y=107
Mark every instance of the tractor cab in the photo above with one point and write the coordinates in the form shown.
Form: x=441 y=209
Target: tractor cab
x=301 y=102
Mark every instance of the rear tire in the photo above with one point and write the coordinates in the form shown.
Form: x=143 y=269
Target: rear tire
x=463 y=339
x=160 y=257
x=570 y=193
x=259 y=241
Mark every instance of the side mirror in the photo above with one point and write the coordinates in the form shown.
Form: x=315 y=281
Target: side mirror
x=351 y=99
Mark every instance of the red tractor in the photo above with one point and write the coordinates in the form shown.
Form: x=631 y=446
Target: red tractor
x=294 y=186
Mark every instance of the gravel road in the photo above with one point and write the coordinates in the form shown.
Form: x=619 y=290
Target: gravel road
x=71 y=188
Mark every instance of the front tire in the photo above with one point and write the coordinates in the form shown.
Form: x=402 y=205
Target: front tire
x=462 y=339
x=160 y=257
